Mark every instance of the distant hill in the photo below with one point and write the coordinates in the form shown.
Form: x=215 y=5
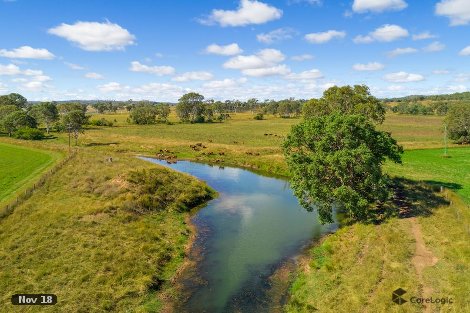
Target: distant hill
x=459 y=96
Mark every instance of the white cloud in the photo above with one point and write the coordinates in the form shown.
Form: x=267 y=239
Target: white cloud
x=462 y=77
x=401 y=51
x=302 y=57
x=263 y=59
x=92 y=75
x=403 y=77
x=110 y=87
x=231 y=49
x=395 y=87
x=248 y=12
x=385 y=33
x=94 y=36
x=189 y=76
x=306 y=75
x=10 y=69
x=377 y=6
x=310 y=2
x=3 y=87
x=27 y=52
x=281 y=69
x=226 y=83
x=423 y=36
x=457 y=88
x=458 y=11
x=275 y=35
x=440 y=72
x=74 y=66
x=157 y=70
x=434 y=47
x=465 y=51
x=323 y=37
x=369 y=67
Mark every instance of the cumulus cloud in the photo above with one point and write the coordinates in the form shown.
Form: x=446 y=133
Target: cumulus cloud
x=136 y=66
x=465 y=51
x=225 y=83
x=9 y=69
x=423 y=36
x=377 y=6
x=93 y=75
x=306 y=75
x=368 y=67
x=281 y=69
x=434 y=47
x=110 y=87
x=95 y=36
x=385 y=33
x=403 y=77
x=189 y=76
x=248 y=12
x=276 y=35
x=74 y=66
x=231 y=49
x=401 y=51
x=440 y=72
x=264 y=58
x=27 y=52
x=302 y=57
x=458 y=11
x=323 y=37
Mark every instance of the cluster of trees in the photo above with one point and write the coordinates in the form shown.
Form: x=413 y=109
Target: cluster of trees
x=417 y=108
x=459 y=96
x=458 y=123
x=21 y=120
x=144 y=113
x=335 y=155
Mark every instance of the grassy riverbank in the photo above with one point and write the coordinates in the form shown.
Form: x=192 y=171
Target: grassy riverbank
x=79 y=237
x=71 y=239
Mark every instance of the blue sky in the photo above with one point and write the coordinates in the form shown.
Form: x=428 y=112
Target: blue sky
x=268 y=49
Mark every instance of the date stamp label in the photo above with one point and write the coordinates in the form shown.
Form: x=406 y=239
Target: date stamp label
x=34 y=299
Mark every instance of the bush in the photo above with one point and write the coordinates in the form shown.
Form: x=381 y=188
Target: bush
x=259 y=117
x=28 y=133
x=101 y=122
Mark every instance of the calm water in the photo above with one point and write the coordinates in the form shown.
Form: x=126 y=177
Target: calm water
x=243 y=236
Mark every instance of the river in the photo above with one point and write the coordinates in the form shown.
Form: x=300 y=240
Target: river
x=243 y=236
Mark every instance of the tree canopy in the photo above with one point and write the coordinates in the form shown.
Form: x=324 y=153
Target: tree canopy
x=458 y=122
x=346 y=100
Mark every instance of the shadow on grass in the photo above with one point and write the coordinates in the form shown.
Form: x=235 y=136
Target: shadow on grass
x=411 y=198
x=96 y=144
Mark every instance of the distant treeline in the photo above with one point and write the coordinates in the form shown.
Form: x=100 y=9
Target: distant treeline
x=460 y=96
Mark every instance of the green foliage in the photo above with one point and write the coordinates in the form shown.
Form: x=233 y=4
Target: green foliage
x=101 y=122
x=45 y=112
x=458 y=121
x=73 y=122
x=28 y=133
x=7 y=109
x=154 y=190
x=17 y=119
x=13 y=99
x=259 y=116
x=346 y=100
x=414 y=108
x=191 y=107
x=336 y=160
x=145 y=113
x=65 y=108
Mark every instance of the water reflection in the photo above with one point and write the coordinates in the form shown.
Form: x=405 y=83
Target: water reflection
x=252 y=226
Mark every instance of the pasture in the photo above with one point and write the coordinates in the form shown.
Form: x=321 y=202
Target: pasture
x=20 y=167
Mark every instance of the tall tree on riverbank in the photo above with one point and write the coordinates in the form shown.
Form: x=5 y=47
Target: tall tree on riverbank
x=335 y=160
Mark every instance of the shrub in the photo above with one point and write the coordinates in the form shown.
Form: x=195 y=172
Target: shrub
x=101 y=122
x=259 y=117
x=28 y=133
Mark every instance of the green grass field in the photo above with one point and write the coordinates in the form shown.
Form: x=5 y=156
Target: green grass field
x=60 y=235
x=20 y=167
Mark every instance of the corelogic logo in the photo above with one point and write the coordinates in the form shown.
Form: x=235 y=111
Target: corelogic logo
x=397 y=296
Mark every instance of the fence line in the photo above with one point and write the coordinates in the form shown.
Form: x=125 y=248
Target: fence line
x=25 y=195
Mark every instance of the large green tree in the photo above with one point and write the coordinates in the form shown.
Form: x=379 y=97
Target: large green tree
x=13 y=99
x=45 y=112
x=191 y=107
x=458 y=122
x=16 y=120
x=336 y=160
x=143 y=114
x=346 y=100
x=73 y=122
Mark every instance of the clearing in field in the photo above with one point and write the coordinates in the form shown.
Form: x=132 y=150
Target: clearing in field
x=19 y=166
